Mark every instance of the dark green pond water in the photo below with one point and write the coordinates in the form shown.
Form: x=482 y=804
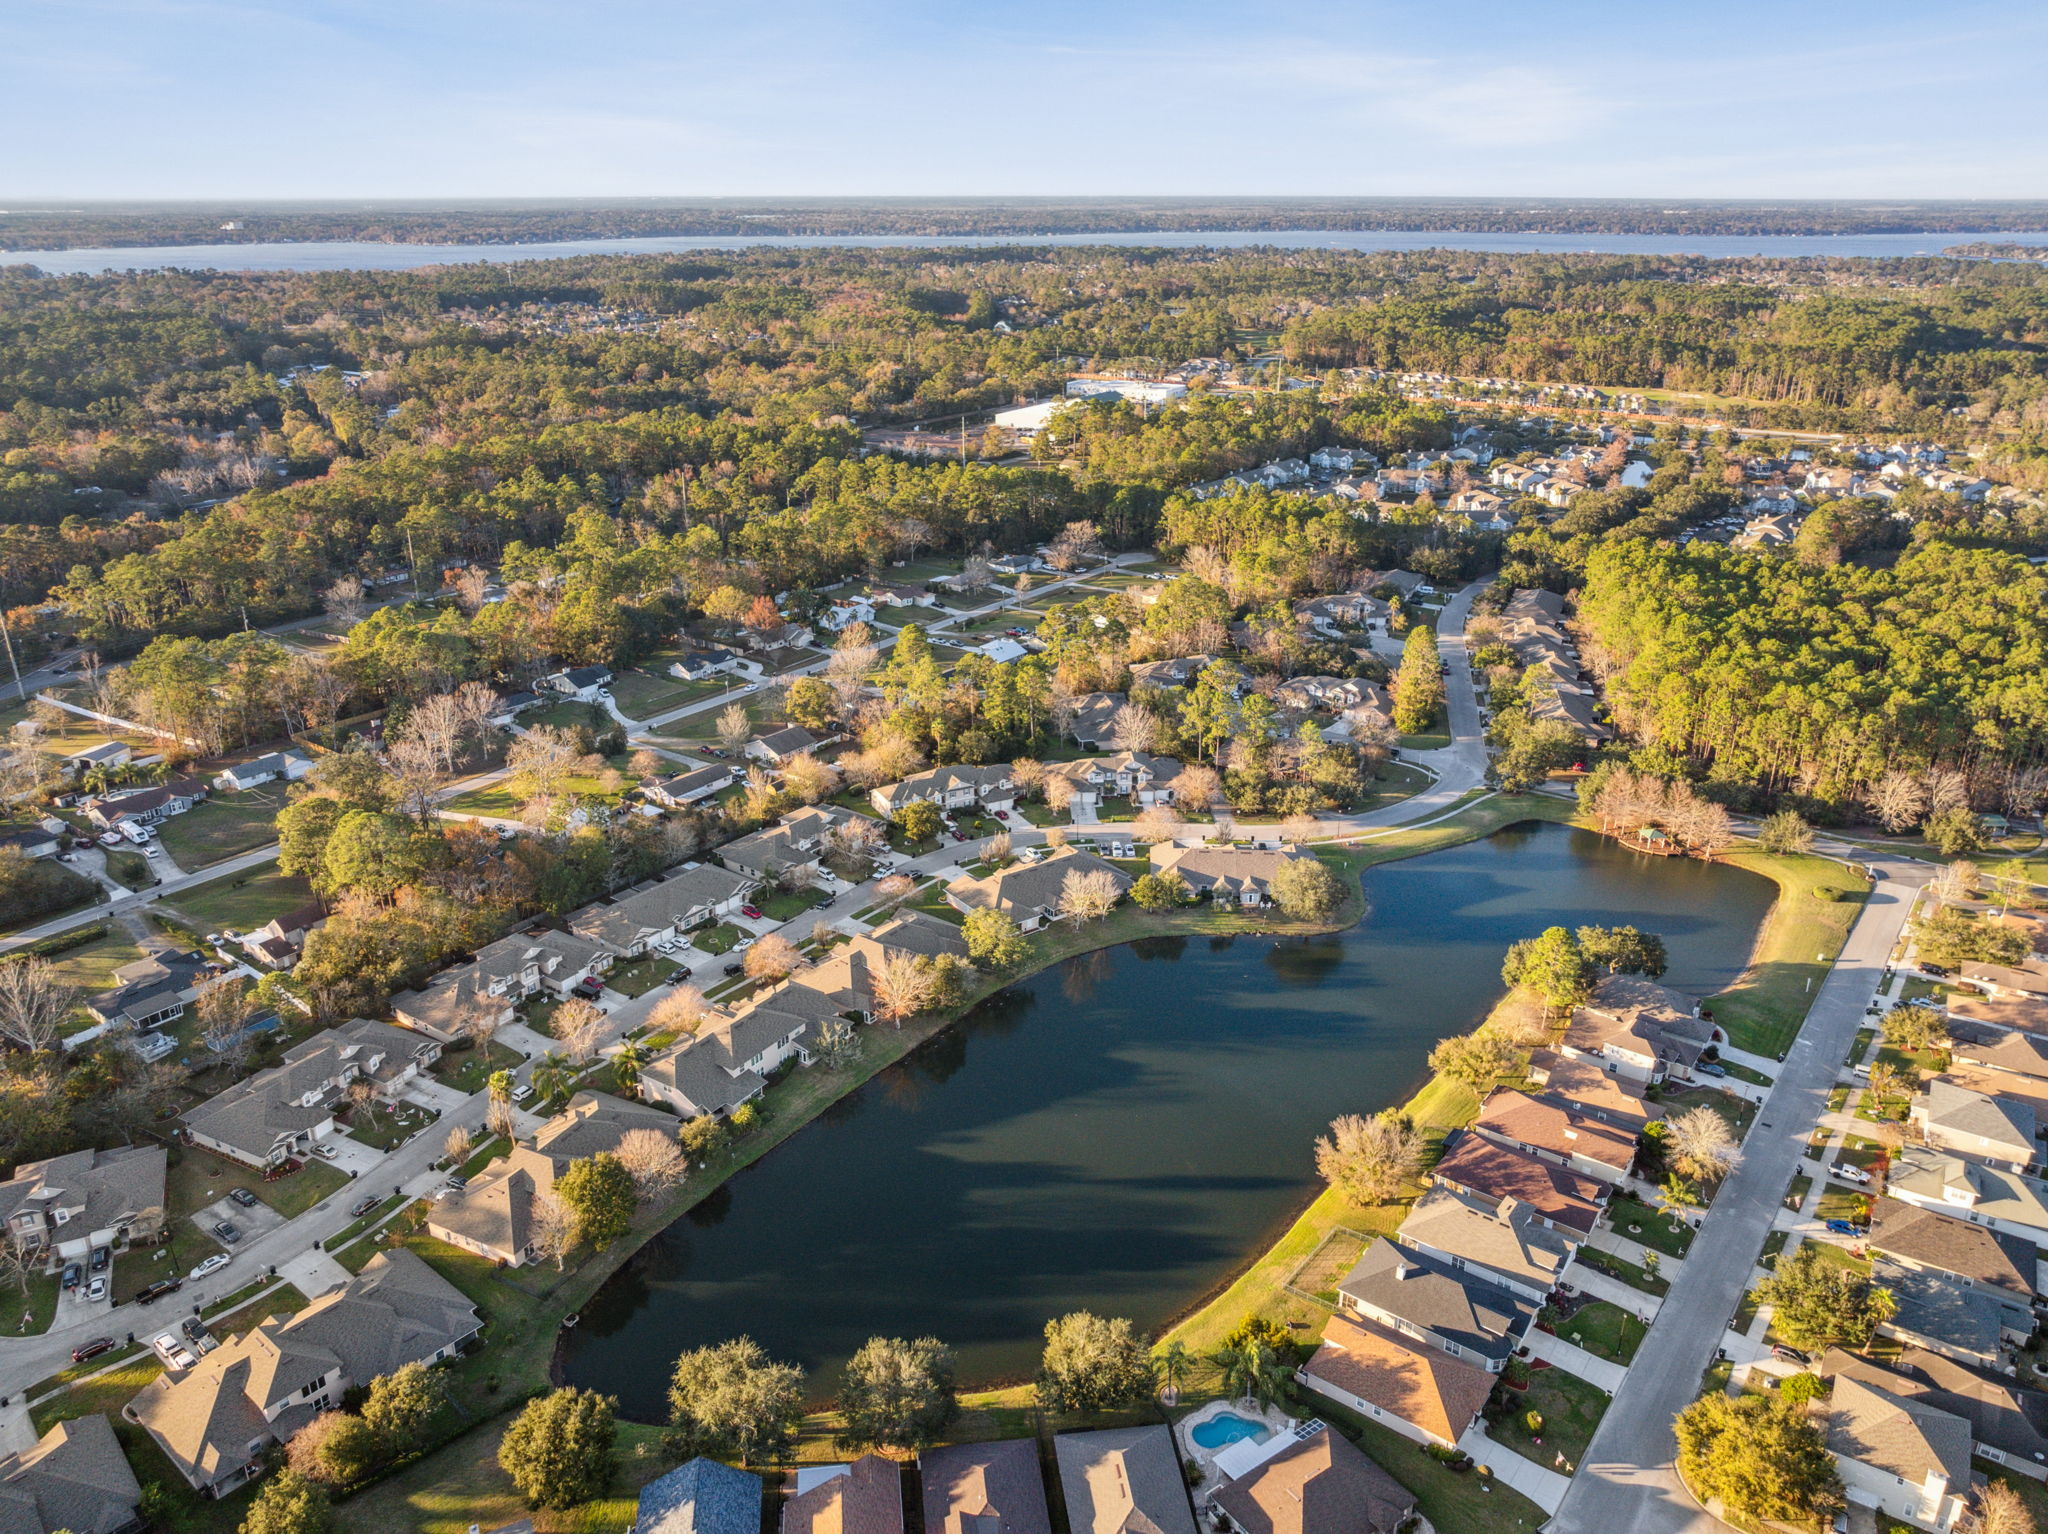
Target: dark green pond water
x=1125 y=1131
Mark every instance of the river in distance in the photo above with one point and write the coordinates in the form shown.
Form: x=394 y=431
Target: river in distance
x=347 y=255
x=1123 y=1132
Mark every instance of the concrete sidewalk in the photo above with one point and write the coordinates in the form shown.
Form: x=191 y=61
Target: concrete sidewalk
x=1545 y=1488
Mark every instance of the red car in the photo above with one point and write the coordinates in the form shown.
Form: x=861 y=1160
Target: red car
x=750 y=913
x=1002 y=814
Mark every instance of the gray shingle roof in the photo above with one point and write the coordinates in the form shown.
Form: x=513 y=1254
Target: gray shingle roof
x=984 y=1488
x=75 y=1478
x=701 y=1497
x=1123 y=1481
x=1394 y=1279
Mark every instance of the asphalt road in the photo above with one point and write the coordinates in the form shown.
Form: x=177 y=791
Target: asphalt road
x=1626 y=1479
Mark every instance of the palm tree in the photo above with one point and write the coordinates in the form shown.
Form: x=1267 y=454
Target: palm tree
x=550 y=1077
x=1675 y=1198
x=1172 y=1363
x=626 y=1067
x=1253 y=1372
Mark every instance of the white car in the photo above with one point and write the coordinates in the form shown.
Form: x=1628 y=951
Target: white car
x=212 y=1264
x=1849 y=1173
x=173 y=1352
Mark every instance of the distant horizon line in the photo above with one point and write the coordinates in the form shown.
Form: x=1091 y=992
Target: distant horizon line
x=1667 y=202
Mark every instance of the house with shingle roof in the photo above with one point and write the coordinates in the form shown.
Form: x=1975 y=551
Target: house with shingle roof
x=1897 y=1452
x=797 y=841
x=288 y=765
x=1029 y=893
x=284 y=1112
x=1481 y=1169
x=1123 y=1480
x=1318 y=1483
x=1560 y=1134
x=688 y=787
x=144 y=806
x=1094 y=723
x=2017 y=1054
x=2008 y=1423
x=778 y=746
x=1639 y=1029
x=67 y=1205
x=1952 y=1316
x=1240 y=876
x=1418 y=1390
x=1503 y=1242
x=1424 y=1297
x=700 y=1497
x=218 y=1421
x=1998 y=1130
x=635 y=920
x=75 y=1479
x=984 y=1488
x=1582 y=1086
x=2025 y=981
x=153 y=990
x=2003 y=1201
x=865 y=1497
x=950 y=788
x=1915 y=1237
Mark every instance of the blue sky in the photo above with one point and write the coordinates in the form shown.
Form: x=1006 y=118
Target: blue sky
x=425 y=98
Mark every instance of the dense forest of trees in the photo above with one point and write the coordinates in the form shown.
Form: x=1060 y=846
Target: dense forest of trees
x=516 y=222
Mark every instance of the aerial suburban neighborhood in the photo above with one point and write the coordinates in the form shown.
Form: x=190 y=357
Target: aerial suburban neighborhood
x=1001 y=864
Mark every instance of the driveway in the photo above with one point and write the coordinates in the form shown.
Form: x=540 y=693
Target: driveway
x=1627 y=1479
x=259 y=1221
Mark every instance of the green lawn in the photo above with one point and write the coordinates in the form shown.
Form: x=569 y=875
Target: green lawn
x=1430 y=741
x=467 y=1070
x=131 y=870
x=501 y=801
x=91 y=967
x=788 y=907
x=1630 y=1217
x=639 y=976
x=1571 y=1409
x=1737 y=1112
x=1838 y=1202
x=1793 y=953
x=1453 y=1502
x=198 y=1177
x=224 y=826
x=1606 y=1330
x=388 y=1128
x=717 y=938
x=27 y=1310
x=1621 y=1268
x=245 y=901
x=641 y=695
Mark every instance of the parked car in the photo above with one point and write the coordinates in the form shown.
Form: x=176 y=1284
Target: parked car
x=72 y=1274
x=590 y=987
x=1848 y=1173
x=195 y=1331
x=326 y=1153
x=1790 y=1355
x=362 y=1206
x=960 y=836
x=1842 y=1227
x=212 y=1264
x=523 y=1092
x=101 y=1256
x=92 y=1349
x=149 y=1293
x=735 y=969
x=1002 y=814
x=1942 y=971
x=243 y=1197
x=1710 y=1068
x=752 y=913
x=173 y=1352
x=227 y=1231
x=96 y=1290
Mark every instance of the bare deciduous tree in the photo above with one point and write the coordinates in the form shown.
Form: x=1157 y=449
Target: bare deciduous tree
x=853 y=846
x=653 y=1159
x=809 y=779
x=1087 y=894
x=902 y=986
x=347 y=598
x=554 y=1229
x=773 y=957
x=577 y=1024
x=1701 y=1144
x=436 y=723
x=1898 y=801
x=1195 y=786
x=543 y=759
x=679 y=1012
x=894 y=890
x=1134 y=729
x=470 y=585
x=34 y=1003
x=734 y=727
x=458 y=1145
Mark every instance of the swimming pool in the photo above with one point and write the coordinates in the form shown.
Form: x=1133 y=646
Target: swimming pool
x=1226 y=1427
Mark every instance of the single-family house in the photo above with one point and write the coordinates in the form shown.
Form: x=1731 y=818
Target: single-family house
x=32 y=841
x=151 y=991
x=1094 y=722
x=511 y=705
x=2025 y=981
x=1029 y=893
x=1411 y=1386
x=2026 y=1014
x=899 y=594
x=282 y=1113
x=652 y=913
x=701 y=1497
x=726 y=1061
x=778 y=746
x=984 y=1488
x=1139 y=776
x=843 y=612
x=1952 y=1316
x=1911 y=1236
x=1425 y=1298
x=66 y=1206
x=144 y=806
x=474 y=999
x=796 y=842
x=787 y=635
x=1639 y=1029
x=1123 y=1480
x=1557 y=1133
x=1314 y=1482
x=1568 y=1202
x=584 y=684
x=73 y=1480
x=1327 y=694
x=1583 y=1086
x=289 y=766
x=1897 y=1453
x=1240 y=876
x=687 y=788
x=2008 y=1422
x=2016 y=1053
x=950 y=788
x=494 y=1216
x=1504 y=1242
x=1331 y=616
x=1970 y=1190
x=218 y=1421
x=700 y=664
x=1003 y=650
x=1177 y=672
x=1998 y=1130
x=865 y=1497
x=278 y=943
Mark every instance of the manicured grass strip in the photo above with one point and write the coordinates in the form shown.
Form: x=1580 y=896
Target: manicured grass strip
x=245 y=901
x=1606 y=1330
x=1763 y=1010
x=225 y=826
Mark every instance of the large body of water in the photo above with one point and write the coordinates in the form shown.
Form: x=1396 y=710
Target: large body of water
x=1123 y=1132
x=342 y=255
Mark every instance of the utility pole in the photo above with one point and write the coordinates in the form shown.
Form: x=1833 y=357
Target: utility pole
x=7 y=634
x=413 y=560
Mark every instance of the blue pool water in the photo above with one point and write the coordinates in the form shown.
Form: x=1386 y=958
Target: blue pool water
x=1226 y=1428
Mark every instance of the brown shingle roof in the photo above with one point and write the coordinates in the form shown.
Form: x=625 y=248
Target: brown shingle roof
x=1417 y=1383
x=1479 y=1165
x=1520 y=1119
x=1317 y=1485
x=868 y=1499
